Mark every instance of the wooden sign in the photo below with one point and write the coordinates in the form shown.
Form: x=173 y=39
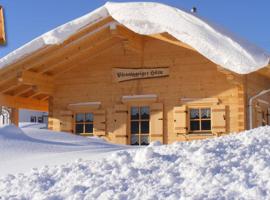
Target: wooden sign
x=2 y=27
x=125 y=74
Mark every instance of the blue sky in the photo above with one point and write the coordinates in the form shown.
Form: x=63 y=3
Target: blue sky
x=27 y=19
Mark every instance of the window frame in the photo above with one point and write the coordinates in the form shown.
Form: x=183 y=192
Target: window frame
x=139 y=120
x=84 y=122
x=200 y=120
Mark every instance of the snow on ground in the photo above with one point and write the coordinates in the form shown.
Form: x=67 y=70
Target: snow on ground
x=25 y=148
x=231 y=167
x=32 y=125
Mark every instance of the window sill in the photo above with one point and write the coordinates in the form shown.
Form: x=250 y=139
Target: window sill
x=200 y=133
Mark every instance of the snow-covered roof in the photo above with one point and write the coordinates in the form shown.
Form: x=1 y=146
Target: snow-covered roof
x=149 y=18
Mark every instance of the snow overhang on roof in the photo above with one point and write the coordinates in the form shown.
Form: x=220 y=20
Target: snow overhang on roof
x=149 y=18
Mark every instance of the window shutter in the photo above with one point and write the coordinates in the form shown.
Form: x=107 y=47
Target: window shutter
x=66 y=123
x=99 y=123
x=180 y=120
x=259 y=118
x=156 y=122
x=120 y=120
x=268 y=116
x=218 y=119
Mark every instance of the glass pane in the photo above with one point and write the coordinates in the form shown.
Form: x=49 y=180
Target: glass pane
x=134 y=113
x=145 y=112
x=89 y=117
x=79 y=117
x=194 y=113
x=144 y=140
x=88 y=128
x=78 y=128
x=134 y=140
x=195 y=125
x=206 y=124
x=134 y=127
x=144 y=127
x=205 y=113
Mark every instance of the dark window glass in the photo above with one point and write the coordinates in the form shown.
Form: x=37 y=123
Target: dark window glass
x=135 y=140
x=206 y=113
x=194 y=113
x=134 y=113
x=144 y=112
x=144 y=140
x=206 y=124
x=79 y=128
x=194 y=125
x=88 y=128
x=40 y=119
x=79 y=117
x=33 y=119
x=89 y=117
x=134 y=127
x=144 y=127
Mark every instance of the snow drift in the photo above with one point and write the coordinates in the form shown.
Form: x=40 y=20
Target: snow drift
x=236 y=166
x=147 y=18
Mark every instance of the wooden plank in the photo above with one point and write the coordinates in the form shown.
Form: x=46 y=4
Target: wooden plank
x=87 y=55
x=170 y=39
x=20 y=102
x=92 y=41
x=2 y=27
x=130 y=39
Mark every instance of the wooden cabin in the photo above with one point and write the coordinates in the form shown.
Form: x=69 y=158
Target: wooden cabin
x=2 y=27
x=106 y=80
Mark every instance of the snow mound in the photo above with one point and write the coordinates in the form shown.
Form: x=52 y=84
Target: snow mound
x=231 y=167
x=32 y=125
x=149 y=18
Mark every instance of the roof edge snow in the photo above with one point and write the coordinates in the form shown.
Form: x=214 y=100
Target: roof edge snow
x=148 y=18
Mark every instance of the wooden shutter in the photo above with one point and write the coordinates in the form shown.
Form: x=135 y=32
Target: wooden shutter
x=54 y=124
x=268 y=116
x=99 y=123
x=180 y=119
x=156 y=122
x=120 y=120
x=259 y=117
x=66 y=121
x=218 y=119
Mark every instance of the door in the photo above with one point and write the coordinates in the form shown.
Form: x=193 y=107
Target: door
x=139 y=125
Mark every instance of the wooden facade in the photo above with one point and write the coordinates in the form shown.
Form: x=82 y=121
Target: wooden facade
x=74 y=81
x=2 y=27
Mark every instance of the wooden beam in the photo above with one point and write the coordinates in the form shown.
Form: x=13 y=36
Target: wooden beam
x=43 y=89
x=131 y=40
x=32 y=60
x=21 y=91
x=9 y=85
x=41 y=83
x=90 y=54
x=92 y=42
x=15 y=116
x=20 y=102
x=2 y=27
x=170 y=39
x=33 y=78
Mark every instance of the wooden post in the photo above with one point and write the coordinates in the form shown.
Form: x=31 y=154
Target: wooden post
x=15 y=116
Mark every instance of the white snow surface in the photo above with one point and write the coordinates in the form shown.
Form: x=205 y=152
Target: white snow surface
x=213 y=42
x=236 y=166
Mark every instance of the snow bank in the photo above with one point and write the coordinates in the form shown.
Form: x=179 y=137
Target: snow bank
x=23 y=149
x=232 y=167
x=147 y=18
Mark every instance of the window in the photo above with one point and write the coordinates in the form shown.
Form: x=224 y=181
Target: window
x=139 y=125
x=84 y=123
x=200 y=119
x=33 y=119
x=40 y=119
